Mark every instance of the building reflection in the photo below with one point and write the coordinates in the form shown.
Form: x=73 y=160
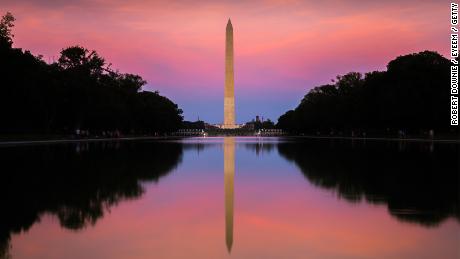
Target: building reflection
x=229 y=172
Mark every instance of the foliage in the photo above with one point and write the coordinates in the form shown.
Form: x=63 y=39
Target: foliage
x=412 y=95
x=267 y=124
x=199 y=124
x=6 y=23
x=78 y=92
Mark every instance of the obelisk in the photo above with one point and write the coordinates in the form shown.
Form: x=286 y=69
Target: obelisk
x=229 y=91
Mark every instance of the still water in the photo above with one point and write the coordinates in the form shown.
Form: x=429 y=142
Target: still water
x=230 y=198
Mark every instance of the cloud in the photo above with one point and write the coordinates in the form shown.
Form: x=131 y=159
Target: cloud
x=289 y=45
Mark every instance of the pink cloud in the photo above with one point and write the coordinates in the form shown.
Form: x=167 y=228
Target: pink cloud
x=179 y=46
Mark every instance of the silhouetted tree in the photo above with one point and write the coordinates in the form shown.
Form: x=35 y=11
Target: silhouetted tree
x=79 y=91
x=6 y=23
x=77 y=57
x=412 y=96
x=199 y=124
x=267 y=124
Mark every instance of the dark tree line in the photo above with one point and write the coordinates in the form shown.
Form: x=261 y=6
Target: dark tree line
x=266 y=124
x=258 y=125
x=78 y=92
x=411 y=97
x=199 y=124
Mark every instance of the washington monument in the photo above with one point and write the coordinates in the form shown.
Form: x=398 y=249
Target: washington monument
x=229 y=91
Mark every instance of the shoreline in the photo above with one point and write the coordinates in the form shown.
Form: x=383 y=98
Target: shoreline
x=70 y=140
x=63 y=141
x=379 y=139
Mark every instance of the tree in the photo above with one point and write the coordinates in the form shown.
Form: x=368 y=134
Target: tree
x=287 y=121
x=77 y=57
x=131 y=83
x=268 y=124
x=408 y=97
x=78 y=92
x=6 y=23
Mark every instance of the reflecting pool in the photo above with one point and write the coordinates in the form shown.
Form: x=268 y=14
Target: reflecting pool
x=231 y=198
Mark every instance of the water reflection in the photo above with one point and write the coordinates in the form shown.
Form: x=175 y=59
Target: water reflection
x=229 y=173
x=260 y=147
x=279 y=214
x=77 y=183
x=418 y=181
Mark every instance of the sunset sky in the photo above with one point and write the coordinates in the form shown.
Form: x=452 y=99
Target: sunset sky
x=282 y=48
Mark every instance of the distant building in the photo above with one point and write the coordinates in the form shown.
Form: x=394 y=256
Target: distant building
x=224 y=126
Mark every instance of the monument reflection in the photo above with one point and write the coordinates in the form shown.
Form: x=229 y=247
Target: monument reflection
x=229 y=173
x=297 y=198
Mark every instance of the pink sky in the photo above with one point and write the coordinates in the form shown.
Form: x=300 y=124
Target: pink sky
x=282 y=48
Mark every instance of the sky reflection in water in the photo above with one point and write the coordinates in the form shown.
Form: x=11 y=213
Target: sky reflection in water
x=232 y=197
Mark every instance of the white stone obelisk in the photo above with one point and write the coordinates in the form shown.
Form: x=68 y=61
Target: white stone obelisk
x=229 y=91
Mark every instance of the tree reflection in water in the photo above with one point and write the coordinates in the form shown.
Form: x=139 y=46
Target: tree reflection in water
x=77 y=183
x=418 y=181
